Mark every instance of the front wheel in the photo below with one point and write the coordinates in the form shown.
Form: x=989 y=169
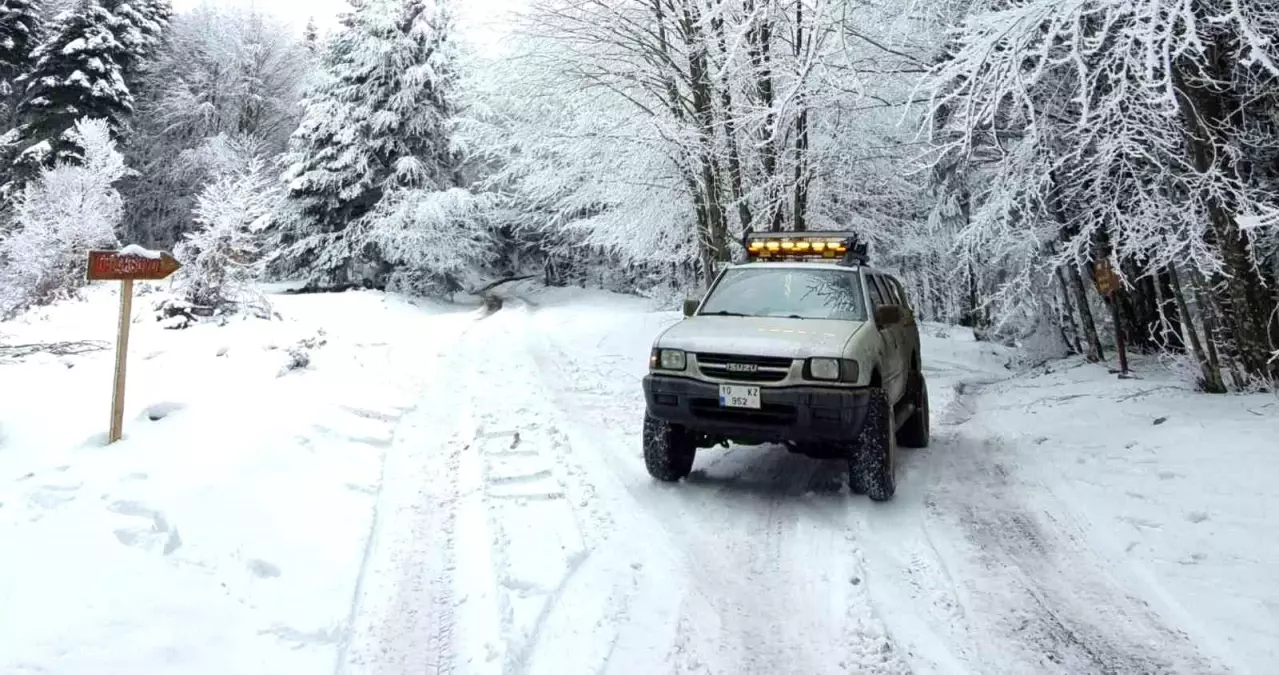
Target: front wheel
x=872 y=465
x=668 y=450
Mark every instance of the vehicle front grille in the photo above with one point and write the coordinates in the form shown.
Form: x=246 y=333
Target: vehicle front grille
x=769 y=413
x=743 y=368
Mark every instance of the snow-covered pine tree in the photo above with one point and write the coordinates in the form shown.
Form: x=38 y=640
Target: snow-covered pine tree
x=83 y=68
x=76 y=74
x=378 y=122
x=139 y=26
x=20 y=29
x=311 y=36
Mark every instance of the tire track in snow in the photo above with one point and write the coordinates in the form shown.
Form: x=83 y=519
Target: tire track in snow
x=1059 y=601
x=540 y=542
x=789 y=601
x=957 y=601
x=402 y=613
x=997 y=575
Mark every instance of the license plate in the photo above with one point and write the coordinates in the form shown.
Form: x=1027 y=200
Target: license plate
x=736 y=396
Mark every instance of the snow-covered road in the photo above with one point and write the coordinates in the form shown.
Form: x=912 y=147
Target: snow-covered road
x=518 y=532
x=444 y=489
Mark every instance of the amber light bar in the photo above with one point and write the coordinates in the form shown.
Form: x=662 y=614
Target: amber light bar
x=801 y=245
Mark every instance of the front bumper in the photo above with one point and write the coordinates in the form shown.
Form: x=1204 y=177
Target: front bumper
x=798 y=414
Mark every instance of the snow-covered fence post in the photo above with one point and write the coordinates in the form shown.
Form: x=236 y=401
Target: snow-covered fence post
x=126 y=265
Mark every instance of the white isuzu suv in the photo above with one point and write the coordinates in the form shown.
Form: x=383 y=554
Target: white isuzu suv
x=804 y=346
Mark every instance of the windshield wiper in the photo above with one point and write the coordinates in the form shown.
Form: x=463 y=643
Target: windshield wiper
x=722 y=313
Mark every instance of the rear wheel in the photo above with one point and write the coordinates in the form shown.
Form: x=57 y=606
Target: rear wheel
x=872 y=466
x=914 y=433
x=668 y=450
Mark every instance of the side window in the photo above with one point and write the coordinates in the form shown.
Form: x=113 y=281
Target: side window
x=890 y=289
x=876 y=291
x=901 y=294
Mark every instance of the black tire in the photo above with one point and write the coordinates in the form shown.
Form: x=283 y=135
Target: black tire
x=874 y=460
x=915 y=432
x=668 y=450
x=856 y=483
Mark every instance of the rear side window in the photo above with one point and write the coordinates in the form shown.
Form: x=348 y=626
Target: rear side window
x=877 y=295
x=890 y=293
x=903 y=300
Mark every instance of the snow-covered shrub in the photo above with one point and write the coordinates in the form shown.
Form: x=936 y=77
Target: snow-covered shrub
x=58 y=217
x=436 y=239
x=297 y=358
x=223 y=260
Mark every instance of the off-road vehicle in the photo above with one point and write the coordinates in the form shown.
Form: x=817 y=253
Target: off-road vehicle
x=804 y=345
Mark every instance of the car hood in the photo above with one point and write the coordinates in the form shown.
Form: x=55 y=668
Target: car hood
x=760 y=336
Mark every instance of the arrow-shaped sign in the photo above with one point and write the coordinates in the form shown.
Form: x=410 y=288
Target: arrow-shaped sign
x=132 y=263
x=123 y=265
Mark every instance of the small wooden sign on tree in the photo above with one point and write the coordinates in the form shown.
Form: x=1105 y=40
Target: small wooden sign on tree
x=1105 y=278
x=1108 y=285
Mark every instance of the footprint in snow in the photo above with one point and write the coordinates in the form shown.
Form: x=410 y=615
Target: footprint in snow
x=159 y=535
x=53 y=496
x=263 y=569
x=158 y=411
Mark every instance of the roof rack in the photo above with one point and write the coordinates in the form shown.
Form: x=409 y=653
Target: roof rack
x=840 y=248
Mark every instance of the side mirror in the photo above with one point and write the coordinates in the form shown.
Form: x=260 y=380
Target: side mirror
x=888 y=315
x=690 y=306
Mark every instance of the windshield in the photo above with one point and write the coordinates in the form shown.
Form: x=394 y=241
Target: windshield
x=819 y=293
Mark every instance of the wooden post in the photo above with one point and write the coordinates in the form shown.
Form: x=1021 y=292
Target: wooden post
x=126 y=265
x=121 y=357
x=1108 y=286
x=1119 y=336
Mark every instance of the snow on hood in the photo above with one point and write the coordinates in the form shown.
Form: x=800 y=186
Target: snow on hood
x=760 y=336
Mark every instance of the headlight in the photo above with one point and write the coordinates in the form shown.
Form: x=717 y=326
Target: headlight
x=667 y=359
x=831 y=370
x=823 y=369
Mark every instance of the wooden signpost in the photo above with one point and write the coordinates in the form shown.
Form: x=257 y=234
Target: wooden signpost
x=1108 y=285
x=127 y=265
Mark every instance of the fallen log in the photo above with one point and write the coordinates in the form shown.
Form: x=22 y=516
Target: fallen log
x=499 y=282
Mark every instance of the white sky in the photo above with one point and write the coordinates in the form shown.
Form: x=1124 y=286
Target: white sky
x=481 y=19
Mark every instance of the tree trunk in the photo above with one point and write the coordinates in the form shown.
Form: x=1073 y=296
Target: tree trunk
x=800 y=206
x=1139 y=310
x=1208 y=312
x=1247 y=307
x=760 y=39
x=1069 y=314
x=1210 y=369
x=704 y=116
x=730 y=133
x=1092 y=342
x=1171 y=320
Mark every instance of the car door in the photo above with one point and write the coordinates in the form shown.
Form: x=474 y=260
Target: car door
x=910 y=327
x=891 y=364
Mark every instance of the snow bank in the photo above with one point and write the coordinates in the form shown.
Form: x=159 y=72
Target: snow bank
x=225 y=533
x=1175 y=487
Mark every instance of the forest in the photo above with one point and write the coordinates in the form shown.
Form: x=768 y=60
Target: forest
x=1009 y=160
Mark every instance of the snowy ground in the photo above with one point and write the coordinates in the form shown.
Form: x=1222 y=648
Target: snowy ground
x=444 y=490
